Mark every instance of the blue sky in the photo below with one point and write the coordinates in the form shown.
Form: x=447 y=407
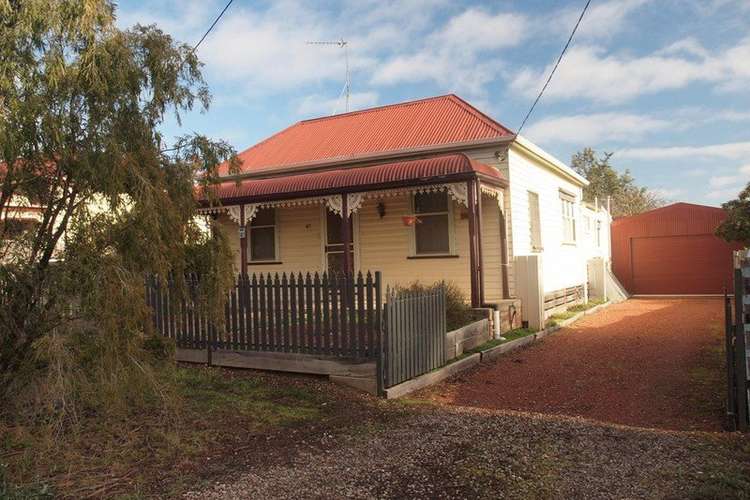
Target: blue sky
x=664 y=84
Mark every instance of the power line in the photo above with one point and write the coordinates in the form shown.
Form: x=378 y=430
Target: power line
x=192 y=51
x=211 y=27
x=567 y=44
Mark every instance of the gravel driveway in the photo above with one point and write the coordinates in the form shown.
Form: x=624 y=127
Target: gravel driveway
x=644 y=362
x=474 y=453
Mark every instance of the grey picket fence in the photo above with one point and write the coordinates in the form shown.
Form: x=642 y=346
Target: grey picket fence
x=329 y=313
x=414 y=334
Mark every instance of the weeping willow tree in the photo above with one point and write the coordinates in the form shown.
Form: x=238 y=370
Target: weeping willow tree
x=81 y=104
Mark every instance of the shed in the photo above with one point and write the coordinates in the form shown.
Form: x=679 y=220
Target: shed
x=672 y=250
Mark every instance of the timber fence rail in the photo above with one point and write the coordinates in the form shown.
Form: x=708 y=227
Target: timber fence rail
x=326 y=314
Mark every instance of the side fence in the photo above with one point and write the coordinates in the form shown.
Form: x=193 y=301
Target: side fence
x=328 y=314
x=414 y=335
x=737 y=329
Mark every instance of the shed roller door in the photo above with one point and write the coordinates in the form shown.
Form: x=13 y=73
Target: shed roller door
x=695 y=264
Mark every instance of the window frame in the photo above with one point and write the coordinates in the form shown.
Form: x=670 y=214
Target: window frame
x=249 y=234
x=540 y=247
x=413 y=232
x=568 y=200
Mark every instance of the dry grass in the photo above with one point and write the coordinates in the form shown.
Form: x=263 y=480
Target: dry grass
x=139 y=453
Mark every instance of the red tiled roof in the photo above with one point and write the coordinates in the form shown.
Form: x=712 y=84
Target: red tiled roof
x=428 y=122
x=383 y=176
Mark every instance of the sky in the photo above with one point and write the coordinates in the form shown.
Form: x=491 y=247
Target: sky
x=662 y=84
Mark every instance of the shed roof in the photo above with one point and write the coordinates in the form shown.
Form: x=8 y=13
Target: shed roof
x=446 y=168
x=427 y=122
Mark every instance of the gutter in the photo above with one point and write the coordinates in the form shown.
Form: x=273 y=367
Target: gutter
x=549 y=161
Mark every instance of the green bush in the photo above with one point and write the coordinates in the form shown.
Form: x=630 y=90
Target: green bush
x=458 y=312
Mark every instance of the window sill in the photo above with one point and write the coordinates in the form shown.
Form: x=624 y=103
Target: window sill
x=264 y=263
x=570 y=244
x=436 y=256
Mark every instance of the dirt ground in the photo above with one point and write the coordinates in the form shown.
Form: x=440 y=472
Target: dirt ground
x=645 y=362
x=436 y=452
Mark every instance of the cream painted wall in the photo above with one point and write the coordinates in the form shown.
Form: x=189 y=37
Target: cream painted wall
x=383 y=245
x=299 y=237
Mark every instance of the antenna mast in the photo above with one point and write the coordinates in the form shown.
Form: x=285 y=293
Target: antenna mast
x=344 y=44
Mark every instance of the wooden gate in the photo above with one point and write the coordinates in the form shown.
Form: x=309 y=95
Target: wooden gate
x=414 y=335
x=737 y=324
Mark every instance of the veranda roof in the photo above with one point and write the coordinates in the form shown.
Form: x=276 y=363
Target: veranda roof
x=434 y=170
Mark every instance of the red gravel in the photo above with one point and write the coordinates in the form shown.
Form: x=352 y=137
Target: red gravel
x=645 y=362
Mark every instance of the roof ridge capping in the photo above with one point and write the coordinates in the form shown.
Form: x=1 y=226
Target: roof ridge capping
x=463 y=104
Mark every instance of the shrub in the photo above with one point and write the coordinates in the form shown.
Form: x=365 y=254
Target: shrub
x=458 y=312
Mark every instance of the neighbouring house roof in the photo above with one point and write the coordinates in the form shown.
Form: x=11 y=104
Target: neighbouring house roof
x=436 y=121
x=446 y=168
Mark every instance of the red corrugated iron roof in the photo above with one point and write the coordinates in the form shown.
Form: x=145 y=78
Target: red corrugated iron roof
x=428 y=122
x=402 y=173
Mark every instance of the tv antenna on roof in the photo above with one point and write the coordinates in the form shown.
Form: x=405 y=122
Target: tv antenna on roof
x=347 y=82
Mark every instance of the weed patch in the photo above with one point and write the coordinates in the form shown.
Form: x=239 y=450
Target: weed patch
x=214 y=409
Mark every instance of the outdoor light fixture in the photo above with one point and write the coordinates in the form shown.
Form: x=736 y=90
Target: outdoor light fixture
x=381 y=209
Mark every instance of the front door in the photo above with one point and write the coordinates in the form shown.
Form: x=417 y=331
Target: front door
x=334 y=244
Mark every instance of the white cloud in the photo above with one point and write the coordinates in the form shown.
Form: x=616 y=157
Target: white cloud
x=602 y=20
x=723 y=194
x=668 y=193
x=590 y=72
x=722 y=180
x=595 y=128
x=268 y=52
x=725 y=187
x=735 y=180
x=729 y=151
x=455 y=55
x=687 y=46
x=318 y=105
x=695 y=172
x=475 y=30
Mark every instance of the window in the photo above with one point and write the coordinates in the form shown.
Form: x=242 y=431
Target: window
x=568 y=217
x=432 y=228
x=587 y=224
x=535 y=228
x=262 y=245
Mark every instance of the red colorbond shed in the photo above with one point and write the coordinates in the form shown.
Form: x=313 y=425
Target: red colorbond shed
x=672 y=250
